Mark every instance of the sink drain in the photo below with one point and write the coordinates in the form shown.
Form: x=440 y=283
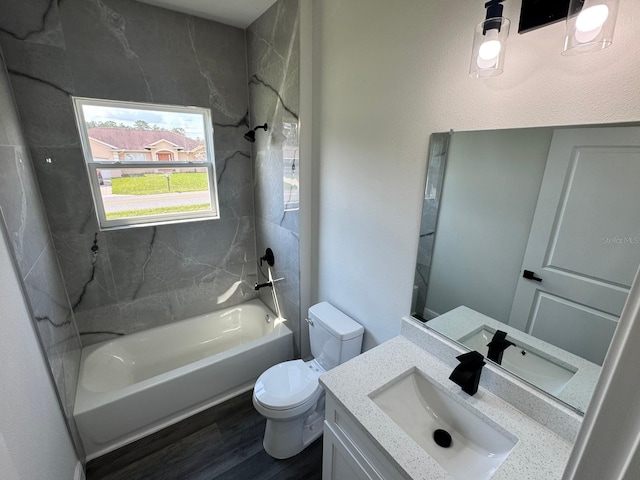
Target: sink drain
x=442 y=438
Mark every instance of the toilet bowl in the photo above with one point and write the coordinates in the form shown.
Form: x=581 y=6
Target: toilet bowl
x=289 y=395
x=292 y=400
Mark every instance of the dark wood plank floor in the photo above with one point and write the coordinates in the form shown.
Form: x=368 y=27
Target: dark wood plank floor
x=222 y=443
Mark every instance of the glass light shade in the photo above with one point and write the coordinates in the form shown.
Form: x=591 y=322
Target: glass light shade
x=590 y=26
x=489 y=47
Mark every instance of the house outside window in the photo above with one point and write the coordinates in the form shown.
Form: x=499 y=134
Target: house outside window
x=291 y=156
x=148 y=164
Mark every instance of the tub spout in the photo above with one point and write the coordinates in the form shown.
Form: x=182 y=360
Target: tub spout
x=271 y=283
x=258 y=286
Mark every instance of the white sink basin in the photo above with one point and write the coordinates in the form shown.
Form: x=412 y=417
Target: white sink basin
x=542 y=372
x=420 y=407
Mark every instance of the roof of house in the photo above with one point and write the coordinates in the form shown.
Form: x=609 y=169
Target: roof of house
x=129 y=139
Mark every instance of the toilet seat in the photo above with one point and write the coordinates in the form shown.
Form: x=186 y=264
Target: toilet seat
x=288 y=385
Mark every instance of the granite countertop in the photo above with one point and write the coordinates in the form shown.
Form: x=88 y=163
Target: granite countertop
x=463 y=321
x=539 y=453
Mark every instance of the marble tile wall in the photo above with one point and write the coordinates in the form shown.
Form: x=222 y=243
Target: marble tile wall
x=23 y=217
x=273 y=57
x=124 y=281
x=439 y=144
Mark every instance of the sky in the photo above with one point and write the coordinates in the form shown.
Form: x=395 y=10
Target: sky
x=192 y=123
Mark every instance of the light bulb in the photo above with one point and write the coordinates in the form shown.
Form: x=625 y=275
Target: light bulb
x=592 y=18
x=589 y=23
x=489 y=51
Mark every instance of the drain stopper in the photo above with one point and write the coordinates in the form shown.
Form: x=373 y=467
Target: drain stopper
x=442 y=438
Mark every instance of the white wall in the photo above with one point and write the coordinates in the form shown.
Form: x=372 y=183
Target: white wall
x=387 y=74
x=34 y=441
x=491 y=185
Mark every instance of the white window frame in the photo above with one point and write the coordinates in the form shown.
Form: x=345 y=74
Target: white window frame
x=93 y=166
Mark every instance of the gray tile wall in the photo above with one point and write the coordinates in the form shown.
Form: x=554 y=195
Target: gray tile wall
x=127 y=50
x=273 y=55
x=438 y=148
x=23 y=216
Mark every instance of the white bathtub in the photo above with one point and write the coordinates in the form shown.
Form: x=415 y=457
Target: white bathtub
x=137 y=384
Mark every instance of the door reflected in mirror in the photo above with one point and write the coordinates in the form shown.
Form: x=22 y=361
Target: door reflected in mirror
x=538 y=231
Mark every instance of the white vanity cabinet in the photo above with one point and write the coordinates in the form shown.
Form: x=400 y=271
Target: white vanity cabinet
x=363 y=442
x=347 y=452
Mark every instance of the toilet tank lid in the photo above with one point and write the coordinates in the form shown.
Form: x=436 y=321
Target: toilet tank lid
x=334 y=321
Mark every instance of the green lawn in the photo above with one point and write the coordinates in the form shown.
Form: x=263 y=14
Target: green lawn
x=157 y=183
x=157 y=211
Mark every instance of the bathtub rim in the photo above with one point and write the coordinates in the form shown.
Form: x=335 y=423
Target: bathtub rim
x=86 y=400
x=277 y=346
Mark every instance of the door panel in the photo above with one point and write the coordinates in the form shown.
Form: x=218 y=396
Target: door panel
x=576 y=328
x=584 y=241
x=595 y=206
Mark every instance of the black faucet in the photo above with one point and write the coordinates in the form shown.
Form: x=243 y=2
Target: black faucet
x=467 y=374
x=497 y=346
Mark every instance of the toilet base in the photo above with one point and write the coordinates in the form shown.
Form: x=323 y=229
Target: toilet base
x=285 y=439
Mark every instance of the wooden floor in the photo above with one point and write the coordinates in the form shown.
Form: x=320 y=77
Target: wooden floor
x=222 y=443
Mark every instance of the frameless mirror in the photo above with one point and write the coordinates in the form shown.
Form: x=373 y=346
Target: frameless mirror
x=529 y=243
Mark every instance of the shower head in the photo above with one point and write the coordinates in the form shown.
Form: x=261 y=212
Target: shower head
x=250 y=136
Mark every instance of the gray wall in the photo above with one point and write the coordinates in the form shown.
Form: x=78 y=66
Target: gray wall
x=489 y=196
x=273 y=54
x=126 y=50
x=22 y=213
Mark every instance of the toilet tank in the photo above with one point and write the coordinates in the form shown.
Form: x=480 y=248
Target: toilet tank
x=334 y=336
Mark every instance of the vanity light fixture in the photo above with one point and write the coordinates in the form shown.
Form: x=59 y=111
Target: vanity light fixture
x=589 y=23
x=489 y=43
x=590 y=26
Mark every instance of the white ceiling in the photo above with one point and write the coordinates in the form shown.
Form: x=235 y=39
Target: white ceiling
x=239 y=13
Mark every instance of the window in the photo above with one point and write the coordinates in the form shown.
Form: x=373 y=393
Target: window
x=148 y=164
x=291 y=155
x=135 y=157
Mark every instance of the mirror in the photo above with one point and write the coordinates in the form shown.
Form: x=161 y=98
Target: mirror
x=530 y=240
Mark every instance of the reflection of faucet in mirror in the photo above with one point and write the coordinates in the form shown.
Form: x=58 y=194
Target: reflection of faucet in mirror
x=497 y=346
x=554 y=201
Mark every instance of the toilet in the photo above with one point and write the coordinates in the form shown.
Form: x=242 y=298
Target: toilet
x=289 y=395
